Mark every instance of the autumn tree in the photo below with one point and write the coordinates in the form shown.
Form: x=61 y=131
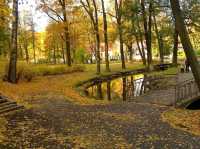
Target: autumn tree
x=92 y=11
x=54 y=43
x=32 y=27
x=175 y=47
x=12 y=77
x=105 y=35
x=159 y=36
x=119 y=14
x=24 y=41
x=133 y=32
x=4 y=28
x=185 y=40
x=147 y=23
x=57 y=11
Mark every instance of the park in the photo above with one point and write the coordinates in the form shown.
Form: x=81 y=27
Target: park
x=99 y=74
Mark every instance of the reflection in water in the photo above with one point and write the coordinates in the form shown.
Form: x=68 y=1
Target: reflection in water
x=99 y=91
x=124 y=88
x=118 y=89
x=109 y=90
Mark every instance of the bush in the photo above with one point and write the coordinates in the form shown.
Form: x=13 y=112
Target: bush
x=45 y=70
x=24 y=72
x=80 y=56
x=197 y=52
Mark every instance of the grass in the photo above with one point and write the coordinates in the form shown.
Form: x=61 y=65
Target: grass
x=54 y=86
x=48 y=85
x=182 y=119
x=170 y=71
x=63 y=86
x=28 y=71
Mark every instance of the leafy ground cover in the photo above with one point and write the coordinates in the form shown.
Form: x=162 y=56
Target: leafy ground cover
x=57 y=116
x=186 y=120
x=55 y=85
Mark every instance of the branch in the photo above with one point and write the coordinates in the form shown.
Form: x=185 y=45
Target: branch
x=53 y=11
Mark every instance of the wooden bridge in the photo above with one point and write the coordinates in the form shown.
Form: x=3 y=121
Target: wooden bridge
x=165 y=90
x=7 y=105
x=186 y=92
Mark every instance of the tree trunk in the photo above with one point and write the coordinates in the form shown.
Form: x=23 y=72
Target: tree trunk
x=183 y=34
x=121 y=46
x=105 y=37
x=63 y=53
x=142 y=55
x=54 y=55
x=67 y=46
x=124 y=84
x=33 y=39
x=26 y=53
x=118 y=9
x=141 y=49
x=159 y=38
x=93 y=14
x=96 y=26
x=142 y=44
x=147 y=30
x=175 y=50
x=130 y=49
x=99 y=91
x=109 y=90
x=12 y=71
x=149 y=50
x=67 y=35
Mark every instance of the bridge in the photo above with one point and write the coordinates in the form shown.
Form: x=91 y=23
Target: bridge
x=7 y=105
x=171 y=90
x=186 y=92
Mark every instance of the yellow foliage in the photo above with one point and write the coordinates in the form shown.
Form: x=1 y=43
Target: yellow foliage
x=43 y=86
x=4 y=13
x=184 y=119
x=3 y=123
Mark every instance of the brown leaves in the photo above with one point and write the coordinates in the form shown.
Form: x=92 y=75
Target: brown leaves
x=184 y=119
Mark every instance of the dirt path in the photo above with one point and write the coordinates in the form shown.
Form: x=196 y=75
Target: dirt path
x=57 y=124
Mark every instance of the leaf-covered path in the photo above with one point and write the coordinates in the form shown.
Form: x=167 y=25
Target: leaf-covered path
x=57 y=124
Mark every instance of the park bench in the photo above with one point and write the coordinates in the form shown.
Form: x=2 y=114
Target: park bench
x=161 y=67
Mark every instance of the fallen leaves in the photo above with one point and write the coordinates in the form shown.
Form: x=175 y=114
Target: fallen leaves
x=184 y=119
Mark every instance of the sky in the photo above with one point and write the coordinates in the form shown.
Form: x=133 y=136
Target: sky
x=40 y=19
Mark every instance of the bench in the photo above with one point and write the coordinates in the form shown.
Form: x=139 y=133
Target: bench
x=161 y=67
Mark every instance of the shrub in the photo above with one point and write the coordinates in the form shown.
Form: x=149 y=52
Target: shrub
x=45 y=70
x=24 y=72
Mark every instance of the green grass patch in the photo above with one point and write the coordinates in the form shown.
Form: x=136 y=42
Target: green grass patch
x=29 y=71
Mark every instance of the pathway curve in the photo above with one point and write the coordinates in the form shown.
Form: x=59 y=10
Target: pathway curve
x=57 y=124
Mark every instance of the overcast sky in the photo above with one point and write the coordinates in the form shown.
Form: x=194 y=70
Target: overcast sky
x=40 y=19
